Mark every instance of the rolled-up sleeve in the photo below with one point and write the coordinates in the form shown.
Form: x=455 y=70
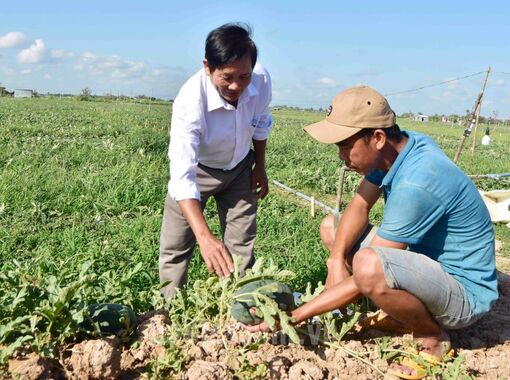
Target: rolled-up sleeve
x=265 y=121
x=183 y=153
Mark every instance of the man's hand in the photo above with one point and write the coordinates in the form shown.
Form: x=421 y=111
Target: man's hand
x=337 y=272
x=216 y=256
x=261 y=327
x=259 y=181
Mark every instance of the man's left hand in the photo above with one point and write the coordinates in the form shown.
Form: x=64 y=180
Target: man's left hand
x=261 y=327
x=259 y=181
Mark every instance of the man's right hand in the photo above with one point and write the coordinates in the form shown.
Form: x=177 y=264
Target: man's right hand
x=337 y=272
x=216 y=256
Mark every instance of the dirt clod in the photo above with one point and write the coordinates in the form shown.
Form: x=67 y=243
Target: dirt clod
x=212 y=347
x=152 y=327
x=278 y=367
x=34 y=367
x=306 y=370
x=202 y=370
x=95 y=359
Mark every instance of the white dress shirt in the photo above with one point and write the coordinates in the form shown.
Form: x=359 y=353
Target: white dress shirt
x=207 y=129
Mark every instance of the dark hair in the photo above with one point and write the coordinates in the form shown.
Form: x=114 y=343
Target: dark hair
x=393 y=133
x=229 y=43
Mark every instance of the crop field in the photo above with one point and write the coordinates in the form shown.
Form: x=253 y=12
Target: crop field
x=82 y=186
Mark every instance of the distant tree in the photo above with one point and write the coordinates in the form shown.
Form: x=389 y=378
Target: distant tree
x=85 y=94
x=436 y=117
x=4 y=92
x=407 y=115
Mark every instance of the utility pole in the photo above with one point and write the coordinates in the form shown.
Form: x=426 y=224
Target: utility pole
x=472 y=120
x=473 y=143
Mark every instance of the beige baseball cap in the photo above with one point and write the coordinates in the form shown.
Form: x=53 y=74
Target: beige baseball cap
x=351 y=111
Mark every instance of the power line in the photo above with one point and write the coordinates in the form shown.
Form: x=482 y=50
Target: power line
x=435 y=84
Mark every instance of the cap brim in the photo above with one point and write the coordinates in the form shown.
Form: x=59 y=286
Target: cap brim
x=329 y=133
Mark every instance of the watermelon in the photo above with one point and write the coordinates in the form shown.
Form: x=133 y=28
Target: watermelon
x=275 y=290
x=109 y=319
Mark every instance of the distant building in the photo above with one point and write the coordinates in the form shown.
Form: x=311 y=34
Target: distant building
x=23 y=93
x=420 y=117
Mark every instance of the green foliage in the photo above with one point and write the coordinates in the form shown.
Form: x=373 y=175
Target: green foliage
x=335 y=325
x=173 y=362
x=82 y=186
x=211 y=299
x=44 y=311
x=247 y=371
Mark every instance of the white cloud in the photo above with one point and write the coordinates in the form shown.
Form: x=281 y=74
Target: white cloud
x=37 y=53
x=498 y=82
x=76 y=70
x=33 y=54
x=453 y=85
x=136 y=67
x=328 y=82
x=88 y=56
x=118 y=74
x=12 y=39
x=113 y=61
x=115 y=67
x=154 y=75
x=58 y=54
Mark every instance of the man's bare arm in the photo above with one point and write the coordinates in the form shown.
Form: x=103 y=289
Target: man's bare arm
x=352 y=224
x=215 y=254
x=259 y=176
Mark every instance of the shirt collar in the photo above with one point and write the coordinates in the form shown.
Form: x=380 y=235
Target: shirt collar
x=215 y=101
x=388 y=178
x=250 y=91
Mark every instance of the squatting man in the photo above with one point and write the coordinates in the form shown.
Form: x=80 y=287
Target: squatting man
x=430 y=265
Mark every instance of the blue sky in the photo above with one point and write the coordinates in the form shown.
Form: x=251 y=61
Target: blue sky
x=313 y=50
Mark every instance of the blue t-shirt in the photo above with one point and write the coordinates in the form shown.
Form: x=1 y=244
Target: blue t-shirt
x=431 y=205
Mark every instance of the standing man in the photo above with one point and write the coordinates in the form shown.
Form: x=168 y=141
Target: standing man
x=430 y=265
x=218 y=114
